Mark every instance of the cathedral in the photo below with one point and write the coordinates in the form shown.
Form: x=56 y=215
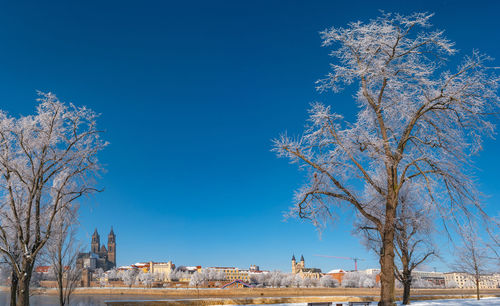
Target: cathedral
x=99 y=256
x=300 y=268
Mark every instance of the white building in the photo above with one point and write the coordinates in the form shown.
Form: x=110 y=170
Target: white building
x=465 y=280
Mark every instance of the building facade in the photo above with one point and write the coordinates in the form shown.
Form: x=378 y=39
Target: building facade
x=161 y=270
x=232 y=273
x=436 y=278
x=465 y=280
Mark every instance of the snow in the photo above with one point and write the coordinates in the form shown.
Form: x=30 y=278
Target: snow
x=336 y=271
x=453 y=302
x=461 y=302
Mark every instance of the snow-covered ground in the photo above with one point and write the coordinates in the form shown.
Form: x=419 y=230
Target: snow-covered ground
x=456 y=302
x=452 y=302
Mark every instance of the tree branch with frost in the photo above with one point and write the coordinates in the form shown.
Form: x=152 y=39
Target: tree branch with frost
x=288 y=147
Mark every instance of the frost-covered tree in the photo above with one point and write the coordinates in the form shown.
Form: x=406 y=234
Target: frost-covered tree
x=175 y=275
x=308 y=282
x=277 y=279
x=178 y=274
x=451 y=284
x=296 y=281
x=418 y=282
x=62 y=252
x=47 y=161
x=129 y=277
x=145 y=278
x=418 y=123
x=214 y=274
x=113 y=274
x=472 y=257
x=358 y=279
x=99 y=274
x=413 y=243
x=328 y=282
x=198 y=279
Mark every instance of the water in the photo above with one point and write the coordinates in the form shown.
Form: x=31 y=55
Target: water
x=76 y=299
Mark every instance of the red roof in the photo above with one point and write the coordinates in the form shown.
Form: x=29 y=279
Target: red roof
x=42 y=269
x=45 y=269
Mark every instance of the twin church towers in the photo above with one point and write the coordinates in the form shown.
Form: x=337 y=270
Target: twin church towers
x=110 y=252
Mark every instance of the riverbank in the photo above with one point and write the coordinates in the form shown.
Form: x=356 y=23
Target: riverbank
x=281 y=301
x=190 y=293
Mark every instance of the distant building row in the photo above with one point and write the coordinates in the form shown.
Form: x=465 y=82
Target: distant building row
x=163 y=270
x=104 y=258
x=448 y=279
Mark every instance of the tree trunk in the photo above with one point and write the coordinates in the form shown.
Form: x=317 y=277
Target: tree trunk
x=387 y=278
x=477 y=288
x=61 y=290
x=406 y=291
x=13 y=288
x=23 y=294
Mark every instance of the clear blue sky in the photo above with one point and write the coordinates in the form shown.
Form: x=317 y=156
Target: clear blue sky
x=191 y=94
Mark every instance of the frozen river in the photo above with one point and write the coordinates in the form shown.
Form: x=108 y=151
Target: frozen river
x=76 y=300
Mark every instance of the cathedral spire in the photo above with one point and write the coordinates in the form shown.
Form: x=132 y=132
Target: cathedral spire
x=95 y=243
x=112 y=247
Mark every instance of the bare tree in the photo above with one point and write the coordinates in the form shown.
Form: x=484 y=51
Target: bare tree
x=47 y=161
x=418 y=124
x=413 y=244
x=62 y=253
x=472 y=256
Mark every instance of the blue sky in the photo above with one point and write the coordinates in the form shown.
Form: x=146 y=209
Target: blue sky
x=191 y=94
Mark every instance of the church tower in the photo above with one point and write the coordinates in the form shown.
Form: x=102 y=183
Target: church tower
x=302 y=263
x=294 y=265
x=94 y=245
x=112 y=247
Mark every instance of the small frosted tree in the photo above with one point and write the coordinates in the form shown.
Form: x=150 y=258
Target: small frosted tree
x=413 y=243
x=297 y=281
x=417 y=124
x=129 y=277
x=113 y=274
x=328 y=282
x=175 y=275
x=472 y=257
x=198 y=279
x=62 y=252
x=418 y=282
x=145 y=278
x=451 y=284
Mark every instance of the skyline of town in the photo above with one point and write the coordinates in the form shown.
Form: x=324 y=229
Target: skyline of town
x=99 y=268
x=347 y=265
